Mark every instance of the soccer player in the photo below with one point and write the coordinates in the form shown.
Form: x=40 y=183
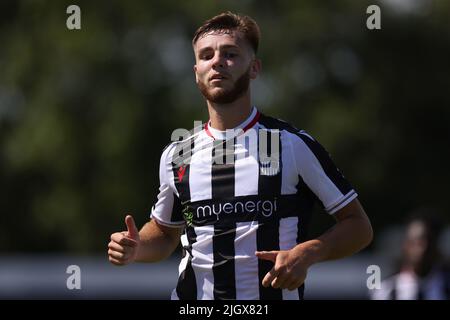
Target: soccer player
x=239 y=191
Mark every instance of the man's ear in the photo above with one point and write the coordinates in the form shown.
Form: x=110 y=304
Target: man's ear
x=195 y=72
x=255 y=68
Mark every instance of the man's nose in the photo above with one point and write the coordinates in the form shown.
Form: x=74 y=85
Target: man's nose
x=218 y=60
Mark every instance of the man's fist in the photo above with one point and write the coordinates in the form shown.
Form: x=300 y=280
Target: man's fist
x=123 y=247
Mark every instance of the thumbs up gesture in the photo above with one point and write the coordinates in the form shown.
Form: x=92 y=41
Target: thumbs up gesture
x=123 y=247
x=132 y=231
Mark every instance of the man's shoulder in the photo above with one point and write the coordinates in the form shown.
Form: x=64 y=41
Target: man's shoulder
x=168 y=147
x=275 y=123
x=175 y=144
x=182 y=140
x=290 y=130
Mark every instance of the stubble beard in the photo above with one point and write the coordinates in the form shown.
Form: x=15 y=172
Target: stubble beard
x=226 y=96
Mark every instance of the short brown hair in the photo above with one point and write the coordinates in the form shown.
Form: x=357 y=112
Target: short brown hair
x=231 y=21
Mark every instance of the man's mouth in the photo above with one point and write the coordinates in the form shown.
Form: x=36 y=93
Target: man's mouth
x=217 y=77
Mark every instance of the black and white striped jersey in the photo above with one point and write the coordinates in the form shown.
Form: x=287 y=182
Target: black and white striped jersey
x=251 y=189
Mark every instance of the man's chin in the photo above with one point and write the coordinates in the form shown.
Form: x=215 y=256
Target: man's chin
x=219 y=89
x=219 y=95
x=221 y=98
x=222 y=95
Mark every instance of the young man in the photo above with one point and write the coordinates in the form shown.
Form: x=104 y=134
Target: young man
x=242 y=197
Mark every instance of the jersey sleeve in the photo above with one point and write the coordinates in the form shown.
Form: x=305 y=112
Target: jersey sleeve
x=320 y=174
x=167 y=209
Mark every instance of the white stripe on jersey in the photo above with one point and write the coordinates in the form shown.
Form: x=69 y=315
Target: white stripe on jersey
x=202 y=262
x=288 y=180
x=200 y=169
x=247 y=285
x=246 y=165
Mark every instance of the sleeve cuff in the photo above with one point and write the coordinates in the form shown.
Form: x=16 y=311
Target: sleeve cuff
x=175 y=224
x=342 y=202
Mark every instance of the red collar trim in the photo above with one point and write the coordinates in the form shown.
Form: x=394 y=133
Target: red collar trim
x=207 y=130
x=248 y=126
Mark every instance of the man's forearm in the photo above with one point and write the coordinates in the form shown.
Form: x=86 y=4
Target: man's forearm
x=154 y=245
x=345 y=238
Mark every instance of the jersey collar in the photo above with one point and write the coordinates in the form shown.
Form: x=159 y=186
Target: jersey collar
x=247 y=124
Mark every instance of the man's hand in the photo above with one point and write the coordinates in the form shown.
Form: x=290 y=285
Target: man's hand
x=123 y=246
x=289 y=271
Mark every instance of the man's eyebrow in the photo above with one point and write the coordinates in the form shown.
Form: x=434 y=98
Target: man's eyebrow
x=202 y=50
x=225 y=46
x=228 y=46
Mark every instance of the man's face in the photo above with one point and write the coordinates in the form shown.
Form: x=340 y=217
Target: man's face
x=225 y=63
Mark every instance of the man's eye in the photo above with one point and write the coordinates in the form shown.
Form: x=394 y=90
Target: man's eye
x=206 y=57
x=230 y=54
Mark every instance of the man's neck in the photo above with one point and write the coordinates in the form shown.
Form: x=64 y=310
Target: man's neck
x=229 y=116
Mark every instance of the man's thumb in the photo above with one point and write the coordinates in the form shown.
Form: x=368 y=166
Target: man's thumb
x=267 y=255
x=133 y=232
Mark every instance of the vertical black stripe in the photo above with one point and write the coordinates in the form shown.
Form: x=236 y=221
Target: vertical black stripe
x=222 y=186
x=222 y=174
x=270 y=164
x=269 y=185
x=177 y=209
x=304 y=215
x=327 y=164
x=224 y=267
x=301 y=291
x=267 y=239
x=393 y=294
x=187 y=285
x=305 y=204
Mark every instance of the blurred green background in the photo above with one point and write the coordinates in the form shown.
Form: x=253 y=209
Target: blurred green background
x=85 y=114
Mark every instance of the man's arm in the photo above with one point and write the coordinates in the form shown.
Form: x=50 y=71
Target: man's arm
x=153 y=243
x=351 y=233
x=158 y=242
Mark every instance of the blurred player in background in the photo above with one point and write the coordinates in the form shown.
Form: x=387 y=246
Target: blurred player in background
x=422 y=273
